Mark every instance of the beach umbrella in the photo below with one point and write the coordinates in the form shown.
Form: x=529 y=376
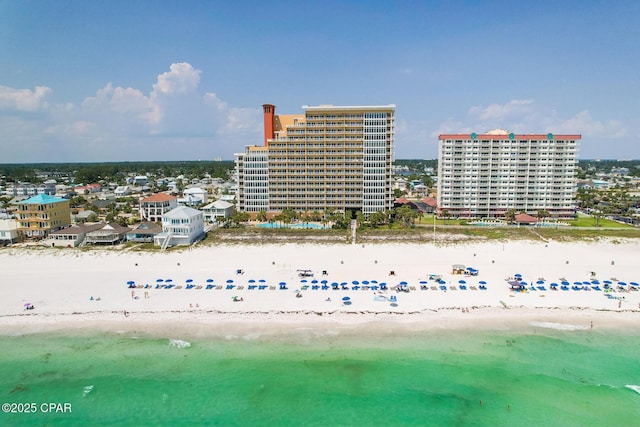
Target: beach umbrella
x=607 y=282
x=314 y=281
x=595 y=282
x=252 y=281
x=365 y=282
x=261 y=281
x=633 y=284
x=565 y=283
x=345 y=298
x=355 y=282
x=462 y=282
x=540 y=282
x=189 y=280
x=230 y=281
x=586 y=283
x=168 y=280
x=403 y=283
x=130 y=282
x=482 y=282
x=209 y=280
x=374 y=281
x=517 y=275
x=159 y=280
x=283 y=283
x=304 y=281
x=324 y=282
x=553 y=284
x=622 y=284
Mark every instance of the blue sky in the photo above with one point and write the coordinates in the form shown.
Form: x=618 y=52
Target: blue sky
x=158 y=80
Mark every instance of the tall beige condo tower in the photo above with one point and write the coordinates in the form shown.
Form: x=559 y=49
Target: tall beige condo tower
x=329 y=158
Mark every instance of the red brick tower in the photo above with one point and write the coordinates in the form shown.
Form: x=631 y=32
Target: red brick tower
x=269 y=112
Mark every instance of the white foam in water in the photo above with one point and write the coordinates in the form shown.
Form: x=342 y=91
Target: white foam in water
x=179 y=343
x=87 y=390
x=635 y=388
x=559 y=326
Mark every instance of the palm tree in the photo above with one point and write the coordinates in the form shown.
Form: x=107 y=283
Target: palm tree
x=510 y=215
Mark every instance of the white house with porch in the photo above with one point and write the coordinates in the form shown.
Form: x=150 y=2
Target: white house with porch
x=217 y=210
x=180 y=226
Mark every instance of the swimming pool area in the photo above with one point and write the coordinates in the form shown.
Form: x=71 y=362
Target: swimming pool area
x=304 y=225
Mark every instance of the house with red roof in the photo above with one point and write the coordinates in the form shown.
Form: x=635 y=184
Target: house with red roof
x=153 y=207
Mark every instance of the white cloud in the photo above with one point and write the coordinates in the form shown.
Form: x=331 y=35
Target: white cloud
x=527 y=116
x=175 y=120
x=180 y=79
x=23 y=100
x=585 y=124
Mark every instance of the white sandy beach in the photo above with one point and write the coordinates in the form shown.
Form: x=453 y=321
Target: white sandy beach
x=74 y=289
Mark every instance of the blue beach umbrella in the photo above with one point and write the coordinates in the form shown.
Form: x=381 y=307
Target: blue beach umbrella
x=189 y=280
x=482 y=282
x=252 y=281
x=261 y=281
x=622 y=284
x=168 y=280
x=565 y=283
x=403 y=283
x=230 y=281
x=540 y=282
x=130 y=282
x=209 y=280
x=304 y=281
x=345 y=298
x=365 y=282
x=324 y=281
x=607 y=282
x=159 y=280
x=462 y=282
x=355 y=282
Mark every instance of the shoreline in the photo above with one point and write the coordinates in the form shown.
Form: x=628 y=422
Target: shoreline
x=278 y=324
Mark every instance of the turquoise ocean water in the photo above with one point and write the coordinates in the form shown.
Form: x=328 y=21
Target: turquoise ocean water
x=541 y=378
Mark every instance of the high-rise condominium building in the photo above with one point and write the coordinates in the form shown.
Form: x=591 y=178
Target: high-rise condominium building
x=486 y=175
x=329 y=158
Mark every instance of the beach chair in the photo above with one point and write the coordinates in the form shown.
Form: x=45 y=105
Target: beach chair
x=463 y=288
x=218 y=286
x=209 y=287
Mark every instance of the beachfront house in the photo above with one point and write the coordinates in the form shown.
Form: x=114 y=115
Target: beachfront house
x=218 y=210
x=8 y=231
x=194 y=196
x=108 y=234
x=72 y=236
x=39 y=215
x=152 y=208
x=180 y=226
x=144 y=232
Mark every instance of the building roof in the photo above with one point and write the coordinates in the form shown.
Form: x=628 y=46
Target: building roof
x=430 y=201
x=525 y=218
x=182 y=212
x=42 y=199
x=159 y=197
x=146 y=228
x=506 y=136
x=79 y=228
x=218 y=204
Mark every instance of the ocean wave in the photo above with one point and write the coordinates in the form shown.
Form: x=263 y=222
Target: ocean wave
x=179 y=343
x=87 y=390
x=559 y=326
x=633 y=387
